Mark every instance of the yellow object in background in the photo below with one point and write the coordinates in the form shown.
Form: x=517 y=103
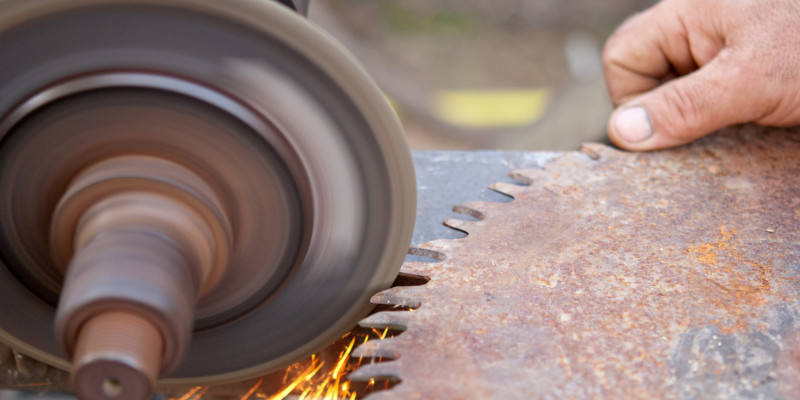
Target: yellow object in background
x=491 y=109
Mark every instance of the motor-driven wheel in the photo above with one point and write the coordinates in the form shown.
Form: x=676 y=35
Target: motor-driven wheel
x=193 y=191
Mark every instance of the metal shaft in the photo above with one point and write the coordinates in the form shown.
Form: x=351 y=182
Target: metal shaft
x=117 y=356
x=144 y=239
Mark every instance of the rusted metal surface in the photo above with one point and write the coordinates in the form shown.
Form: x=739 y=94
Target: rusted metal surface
x=672 y=274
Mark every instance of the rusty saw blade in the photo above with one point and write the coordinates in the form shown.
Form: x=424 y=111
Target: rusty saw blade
x=671 y=274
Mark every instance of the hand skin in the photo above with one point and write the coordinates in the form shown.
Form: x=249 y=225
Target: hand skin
x=685 y=68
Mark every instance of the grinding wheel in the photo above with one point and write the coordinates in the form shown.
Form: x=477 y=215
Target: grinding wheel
x=246 y=182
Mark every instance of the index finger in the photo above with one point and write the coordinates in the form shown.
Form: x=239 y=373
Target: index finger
x=648 y=49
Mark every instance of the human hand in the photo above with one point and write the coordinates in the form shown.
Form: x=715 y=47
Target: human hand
x=685 y=68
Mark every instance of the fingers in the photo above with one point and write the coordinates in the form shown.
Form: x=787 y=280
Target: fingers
x=633 y=58
x=654 y=46
x=686 y=68
x=686 y=108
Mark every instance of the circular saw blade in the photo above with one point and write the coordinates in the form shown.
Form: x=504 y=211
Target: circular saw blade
x=308 y=101
x=623 y=275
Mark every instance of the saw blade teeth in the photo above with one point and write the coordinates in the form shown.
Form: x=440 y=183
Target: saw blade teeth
x=530 y=176
x=461 y=225
x=396 y=320
x=599 y=151
x=572 y=159
x=508 y=189
x=401 y=296
x=435 y=249
x=383 y=370
x=422 y=270
x=479 y=210
x=377 y=348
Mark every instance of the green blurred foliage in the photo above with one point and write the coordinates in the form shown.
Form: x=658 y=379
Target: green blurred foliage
x=403 y=20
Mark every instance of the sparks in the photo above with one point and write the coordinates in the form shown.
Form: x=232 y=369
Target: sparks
x=202 y=391
x=309 y=380
x=252 y=390
x=343 y=358
x=305 y=376
x=320 y=377
x=190 y=393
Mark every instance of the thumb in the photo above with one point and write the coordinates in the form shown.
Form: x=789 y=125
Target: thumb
x=684 y=109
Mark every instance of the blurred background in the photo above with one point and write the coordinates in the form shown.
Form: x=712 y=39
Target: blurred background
x=481 y=74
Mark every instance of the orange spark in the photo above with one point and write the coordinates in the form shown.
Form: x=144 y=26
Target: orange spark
x=202 y=392
x=252 y=390
x=190 y=393
x=305 y=376
x=312 y=379
x=343 y=358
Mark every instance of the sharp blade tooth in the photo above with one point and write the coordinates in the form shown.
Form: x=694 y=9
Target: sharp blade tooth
x=404 y=296
x=478 y=209
x=530 y=176
x=436 y=249
x=423 y=270
x=388 y=319
x=460 y=225
x=572 y=159
x=378 y=370
x=508 y=188
x=383 y=348
x=597 y=151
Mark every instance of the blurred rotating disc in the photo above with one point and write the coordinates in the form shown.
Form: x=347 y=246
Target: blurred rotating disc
x=292 y=137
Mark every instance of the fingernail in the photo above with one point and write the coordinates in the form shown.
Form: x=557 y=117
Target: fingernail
x=633 y=124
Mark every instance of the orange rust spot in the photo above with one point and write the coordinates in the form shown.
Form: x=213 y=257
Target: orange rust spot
x=727 y=234
x=741 y=291
x=705 y=253
x=571 y=189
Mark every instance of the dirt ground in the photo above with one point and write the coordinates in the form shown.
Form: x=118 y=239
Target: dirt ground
x=418 y=50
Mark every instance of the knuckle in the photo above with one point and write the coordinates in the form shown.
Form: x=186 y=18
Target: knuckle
x=739 y=73
x=616 y=50
x=612 y=51
x=685 y=110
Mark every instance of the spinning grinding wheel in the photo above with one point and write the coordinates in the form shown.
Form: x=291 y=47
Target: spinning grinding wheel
x=191 y=191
